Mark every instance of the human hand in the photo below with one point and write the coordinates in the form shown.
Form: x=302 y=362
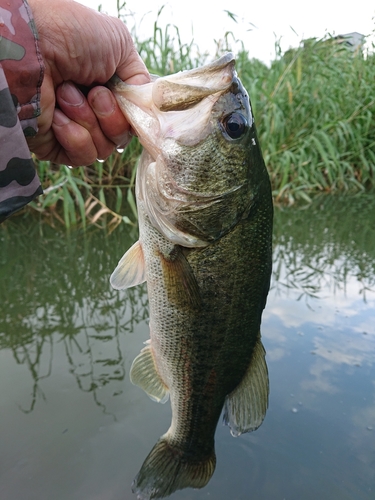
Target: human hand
x=81 y=47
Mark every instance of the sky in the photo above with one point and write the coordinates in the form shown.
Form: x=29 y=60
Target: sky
x=259 y=24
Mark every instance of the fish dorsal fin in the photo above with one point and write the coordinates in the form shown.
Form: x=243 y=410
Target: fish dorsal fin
x=180 y=282
x=246 y=406
x=143 y=373
x=130 y=270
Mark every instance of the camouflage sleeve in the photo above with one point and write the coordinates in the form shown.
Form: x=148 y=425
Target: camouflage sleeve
x=21 y=75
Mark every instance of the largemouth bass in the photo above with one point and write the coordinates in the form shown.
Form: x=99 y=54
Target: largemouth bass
x=205 y=223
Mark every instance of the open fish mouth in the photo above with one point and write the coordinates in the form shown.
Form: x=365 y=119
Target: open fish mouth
x=176 y=106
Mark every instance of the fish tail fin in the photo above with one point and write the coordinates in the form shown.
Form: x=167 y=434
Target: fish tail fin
x=167 y=469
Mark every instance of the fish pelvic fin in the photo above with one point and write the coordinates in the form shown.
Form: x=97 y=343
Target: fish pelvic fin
x=130 y=270
x=246 y=406
x=144 y=374
x=181 y=284
x=167 y=469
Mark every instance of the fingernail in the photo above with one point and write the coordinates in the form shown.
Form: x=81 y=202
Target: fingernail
x=103 y=103
x=122 y=140
x=59 y=118
x=71 y=95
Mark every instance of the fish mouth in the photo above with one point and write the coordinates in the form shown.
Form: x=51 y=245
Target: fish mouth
x=178 y=113
x=176 y=106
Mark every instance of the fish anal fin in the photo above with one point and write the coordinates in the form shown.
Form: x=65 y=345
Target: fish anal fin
x=130 y=270
x=180 y=282
x=246 y=406
x=143 y=373
x=166 y=469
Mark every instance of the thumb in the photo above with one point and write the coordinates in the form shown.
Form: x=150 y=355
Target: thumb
x=130 y=68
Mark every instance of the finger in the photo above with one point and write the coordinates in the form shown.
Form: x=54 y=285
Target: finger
x=129 y=66
x=133 y=69
x=110 y=117
x=44 y=145
x=74 y=145
x=74 y=105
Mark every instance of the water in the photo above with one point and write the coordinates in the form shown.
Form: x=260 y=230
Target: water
x=73 y=427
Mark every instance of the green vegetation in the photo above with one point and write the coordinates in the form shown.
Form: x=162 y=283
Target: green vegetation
x=315 y=112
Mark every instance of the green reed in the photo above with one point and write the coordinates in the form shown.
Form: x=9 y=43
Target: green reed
x=315 y=113
x=314 y=107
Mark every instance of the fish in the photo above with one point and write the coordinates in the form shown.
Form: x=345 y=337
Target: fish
x=205 y=216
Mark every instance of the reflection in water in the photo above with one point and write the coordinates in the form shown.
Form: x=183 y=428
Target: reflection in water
x=56 y=292
x=324 y=246
x=321 y=315
x=60 y=321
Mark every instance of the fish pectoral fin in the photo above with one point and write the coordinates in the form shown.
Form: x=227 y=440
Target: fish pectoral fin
x=246 y=406
x=144 y=374
x=130 y=270
x=180 y=282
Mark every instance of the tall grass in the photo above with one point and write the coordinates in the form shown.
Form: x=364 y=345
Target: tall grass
x=101 y=194
x=315 y=111
x=314 y=107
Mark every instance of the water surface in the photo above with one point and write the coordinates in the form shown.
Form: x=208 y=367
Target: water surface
x=72 y=426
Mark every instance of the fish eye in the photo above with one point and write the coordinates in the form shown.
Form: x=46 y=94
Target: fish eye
x=235 y=125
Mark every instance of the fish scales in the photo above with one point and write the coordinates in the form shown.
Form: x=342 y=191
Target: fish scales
x=205 y=230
